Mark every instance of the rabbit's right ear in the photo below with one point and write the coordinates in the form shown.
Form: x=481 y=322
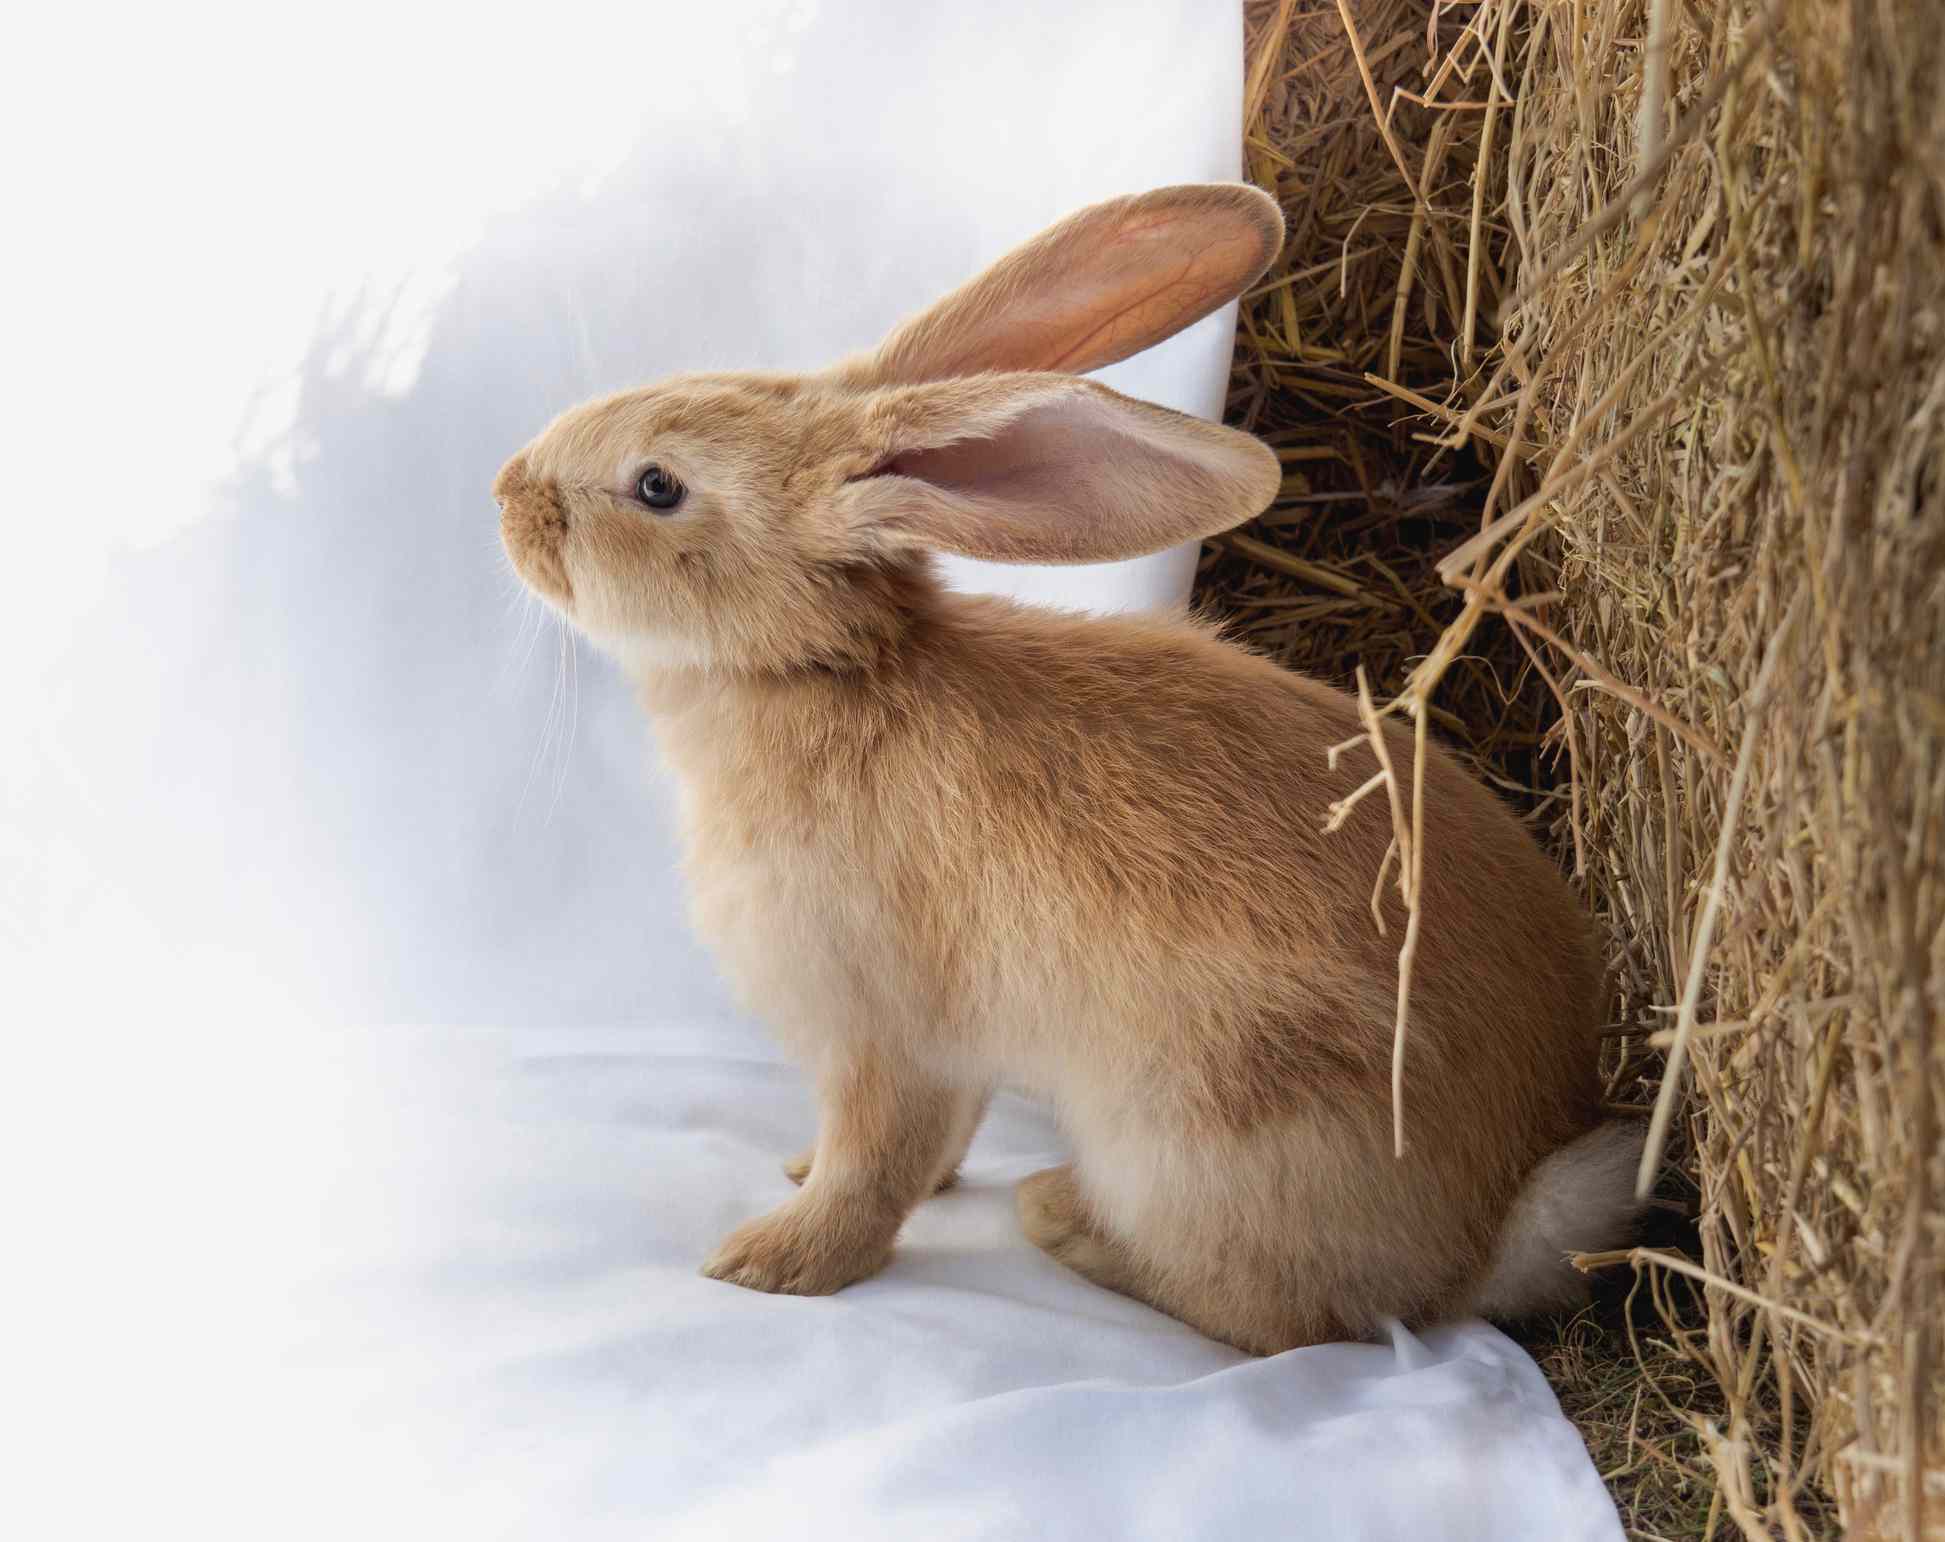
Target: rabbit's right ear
x=1096 y=288
x=1045 y=468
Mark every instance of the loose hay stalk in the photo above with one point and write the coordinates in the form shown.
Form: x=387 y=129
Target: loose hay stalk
x=1644 y=305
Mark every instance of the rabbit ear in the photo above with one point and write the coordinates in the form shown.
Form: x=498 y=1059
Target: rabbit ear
x=1101 y=285
x=1047 y=468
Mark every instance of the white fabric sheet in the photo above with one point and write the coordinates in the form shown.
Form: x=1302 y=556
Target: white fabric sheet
x=559 y=1369
x=291 y=757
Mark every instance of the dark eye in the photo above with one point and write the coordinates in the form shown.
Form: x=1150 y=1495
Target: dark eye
x=658 y=489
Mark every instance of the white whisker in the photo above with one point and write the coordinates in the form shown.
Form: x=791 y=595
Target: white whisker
x=573 y=715
x=533 y=622
x=547 y=723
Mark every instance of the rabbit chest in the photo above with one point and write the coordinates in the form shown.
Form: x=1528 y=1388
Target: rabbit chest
x=791 y=887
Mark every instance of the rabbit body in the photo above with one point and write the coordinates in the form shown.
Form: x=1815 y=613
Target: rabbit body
x=944 y=843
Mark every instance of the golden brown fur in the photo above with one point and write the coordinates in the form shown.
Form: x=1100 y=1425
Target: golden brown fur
x=945 y=843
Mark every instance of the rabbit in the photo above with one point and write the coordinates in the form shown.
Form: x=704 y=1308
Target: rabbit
x=947 y=843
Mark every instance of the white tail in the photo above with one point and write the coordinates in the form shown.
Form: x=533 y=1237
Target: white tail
x=1579 y=1199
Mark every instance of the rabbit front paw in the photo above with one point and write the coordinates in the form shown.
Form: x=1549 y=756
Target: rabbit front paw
x=797 y=1170
x=795 y=1251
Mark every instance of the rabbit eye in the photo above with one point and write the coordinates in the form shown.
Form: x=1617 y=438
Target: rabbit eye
x=658 y=489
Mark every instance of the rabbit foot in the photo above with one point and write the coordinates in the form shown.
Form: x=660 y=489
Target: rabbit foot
x=799 y=1251
x=1055 y=1219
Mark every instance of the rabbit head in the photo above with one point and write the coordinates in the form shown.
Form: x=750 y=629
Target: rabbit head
x=762 y=521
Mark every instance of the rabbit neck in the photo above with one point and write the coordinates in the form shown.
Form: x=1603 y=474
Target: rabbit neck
x=864 y=617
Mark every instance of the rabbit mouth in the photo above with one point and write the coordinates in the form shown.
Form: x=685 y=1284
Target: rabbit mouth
x=535 y=547
x=533 y=525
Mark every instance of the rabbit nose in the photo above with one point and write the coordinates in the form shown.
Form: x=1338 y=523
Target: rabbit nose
x=512 y=478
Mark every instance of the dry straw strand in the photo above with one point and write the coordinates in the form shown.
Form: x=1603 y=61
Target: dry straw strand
x=1656 y=1144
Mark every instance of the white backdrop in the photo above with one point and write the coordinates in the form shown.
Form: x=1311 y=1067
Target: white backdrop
x=371 y=1106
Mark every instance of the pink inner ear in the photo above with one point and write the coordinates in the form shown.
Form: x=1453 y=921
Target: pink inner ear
x=1077 y=478
x=1035 y=445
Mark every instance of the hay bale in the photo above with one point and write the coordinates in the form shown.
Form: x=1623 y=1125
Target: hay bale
x=1674 y=287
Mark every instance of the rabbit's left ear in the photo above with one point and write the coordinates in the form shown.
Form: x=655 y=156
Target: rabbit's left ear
x=1048 y=468
x=1096 y=288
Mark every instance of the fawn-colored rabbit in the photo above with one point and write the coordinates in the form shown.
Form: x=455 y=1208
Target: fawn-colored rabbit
x=946 y=843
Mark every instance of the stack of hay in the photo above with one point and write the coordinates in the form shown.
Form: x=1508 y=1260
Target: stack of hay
x=1607 y=362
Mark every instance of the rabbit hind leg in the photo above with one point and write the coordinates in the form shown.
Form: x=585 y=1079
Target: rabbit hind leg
x=1252 y=1309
